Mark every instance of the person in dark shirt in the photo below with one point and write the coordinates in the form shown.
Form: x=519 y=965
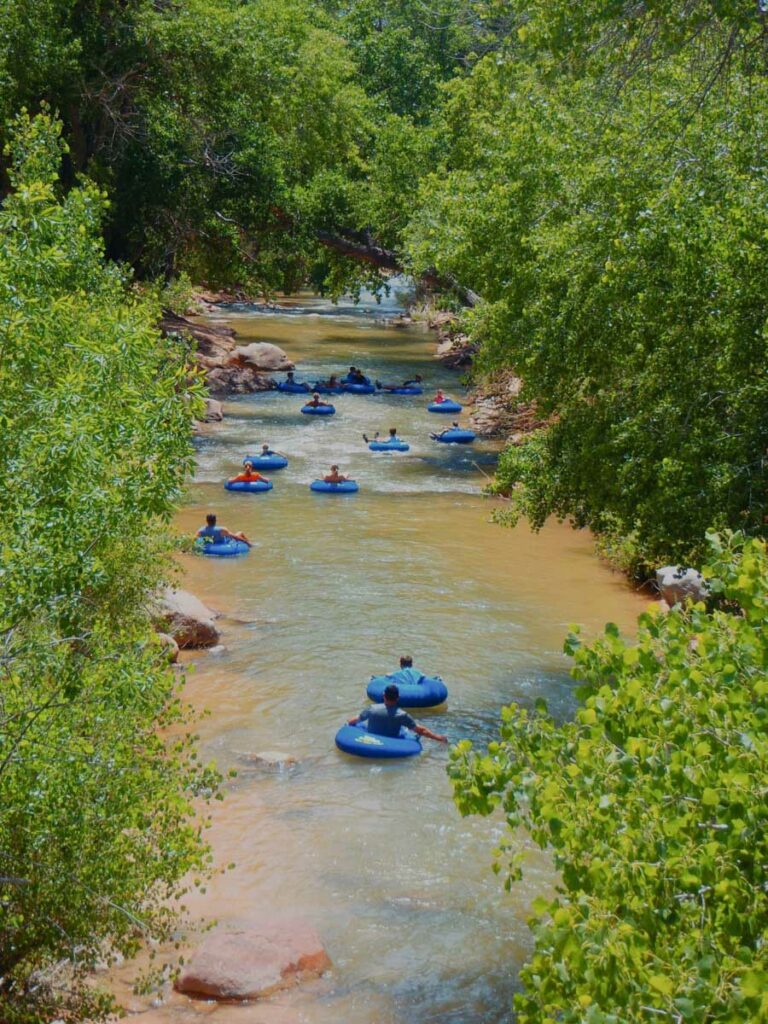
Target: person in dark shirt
x=396 y=387
x=388 y=718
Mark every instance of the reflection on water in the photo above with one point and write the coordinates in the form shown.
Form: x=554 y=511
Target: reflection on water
x=374 y=854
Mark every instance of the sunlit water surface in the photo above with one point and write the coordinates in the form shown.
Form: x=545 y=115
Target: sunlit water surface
x=374 y=854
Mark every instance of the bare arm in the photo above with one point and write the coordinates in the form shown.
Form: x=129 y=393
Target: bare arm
x=422 y=730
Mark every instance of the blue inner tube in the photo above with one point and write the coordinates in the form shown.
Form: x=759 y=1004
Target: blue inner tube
x=272 y=461
x=224 y=549
x=355 y=739
x=360 y=389
x=389 y=446
x=447 y=406
x=248 y=486
x=326 y=389
x=318 y=410
x=456 y=437
x=293 y=387
x=345 y=487
x=410 y=390
x=428 y=693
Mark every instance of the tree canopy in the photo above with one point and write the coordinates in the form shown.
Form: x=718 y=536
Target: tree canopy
x=97 y=826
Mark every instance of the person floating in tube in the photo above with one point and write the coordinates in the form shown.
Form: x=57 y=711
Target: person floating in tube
x=213 y=534
x=392 y=436
x=453 y=426
x=248 y=476
x=266 y=451
x=334 y=477
x=356 y=376
x=316 y=401
x=332 y=382
x=396 y=387
x=388 y=718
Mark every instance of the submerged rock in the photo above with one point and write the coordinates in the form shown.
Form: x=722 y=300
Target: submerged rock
x=269 y=760
x=254 y=961
x=186 y=618
x=677 y=585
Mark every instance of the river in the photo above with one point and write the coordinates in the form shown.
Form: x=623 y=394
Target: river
x=373 y=854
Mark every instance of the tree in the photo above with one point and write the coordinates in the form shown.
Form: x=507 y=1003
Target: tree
x=654 y=806
x=615 y=234
x=97 y=826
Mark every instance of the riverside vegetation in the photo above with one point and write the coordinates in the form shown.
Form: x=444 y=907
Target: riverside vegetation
x=590 y=179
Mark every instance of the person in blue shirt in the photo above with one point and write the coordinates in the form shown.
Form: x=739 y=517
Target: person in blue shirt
x=407 y=673
x=388 y=718
x=213 y=534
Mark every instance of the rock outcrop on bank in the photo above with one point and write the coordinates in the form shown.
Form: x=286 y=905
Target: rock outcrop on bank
x=185 y=618
x=678 y=584
x=454 y=349
x=254 y=961
x=229 y=368
x=497 y=410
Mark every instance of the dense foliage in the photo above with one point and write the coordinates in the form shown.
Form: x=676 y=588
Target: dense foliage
x=653 y=802
x=96 y=823
x=603 y=189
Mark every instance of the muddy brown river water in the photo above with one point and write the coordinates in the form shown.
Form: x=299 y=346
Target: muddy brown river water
x=374 y=854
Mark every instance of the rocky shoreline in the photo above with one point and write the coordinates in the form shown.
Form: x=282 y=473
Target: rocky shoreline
x=496 y=408
x=228 y=368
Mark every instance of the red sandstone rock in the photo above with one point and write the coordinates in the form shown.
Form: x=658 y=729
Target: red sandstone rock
x=254 y=961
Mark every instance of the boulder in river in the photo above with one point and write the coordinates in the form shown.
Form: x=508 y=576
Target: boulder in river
x=214 y=411
x=186 y=618
x=168 y=642
x=677 y=585
x=254 y=960
x=263 y=356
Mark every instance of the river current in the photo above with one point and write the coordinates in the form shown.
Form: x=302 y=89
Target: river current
x=374 y=854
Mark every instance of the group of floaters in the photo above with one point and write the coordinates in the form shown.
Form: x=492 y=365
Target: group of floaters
x=385 y=729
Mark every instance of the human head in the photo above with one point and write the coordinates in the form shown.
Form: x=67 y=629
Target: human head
x=290 y=375
x=265 y=448
x=391 y=694
x=352 y=369
x=316 y=395
x=418 y=377
x=210 y=519
x=248 y=465
x=334 y=469
x=455 y=423
x=393 y=431
x=406 y=661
